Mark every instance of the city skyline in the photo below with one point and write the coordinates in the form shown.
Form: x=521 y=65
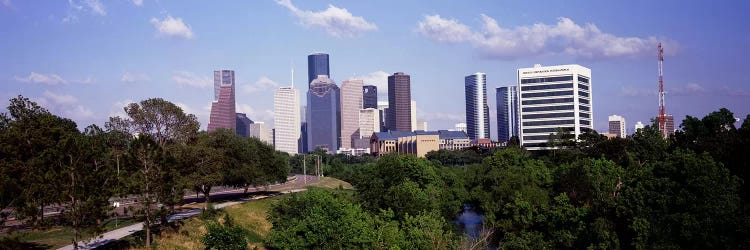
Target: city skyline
x=107 y=56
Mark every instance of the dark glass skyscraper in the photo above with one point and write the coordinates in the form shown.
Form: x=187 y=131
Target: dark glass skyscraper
x=243 y=125
x=317 y=64
x=323 y=115
x=507 y=112
x=369 y=96
x=399 y=102
x=477 y=108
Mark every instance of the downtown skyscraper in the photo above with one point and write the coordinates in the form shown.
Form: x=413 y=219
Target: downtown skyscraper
x=617 y=126
x=477 y=108
x=286 y=119
x=399 y=102
x=370 y=96
x=552 y=98
x=223 y=107
x=243 y=125
x=317 y=64
x=351 y=104
x=323 y=115
x=507 y=112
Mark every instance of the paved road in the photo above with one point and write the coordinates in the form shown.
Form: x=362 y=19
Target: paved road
x=126 y=231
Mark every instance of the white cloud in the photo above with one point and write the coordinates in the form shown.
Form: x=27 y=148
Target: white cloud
x=185 y=108
x=564 y=37
x=49 y=79
x=256 y=115
x=379 y=79
x=263 y=83
x=96 y=7
x=60 y=99
x=118 y=108
x=88 y=79
x=170 y=26
x=629 y=91
x=138 y=2
x=134 y=77
x=75 y=7
x=337 y=22
x=444 y=30
x=190 y=79
x=66 y=106
x=689 y=89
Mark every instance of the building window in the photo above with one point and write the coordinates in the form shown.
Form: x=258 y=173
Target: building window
x=583 y=86
x=543 y=94
x=547 y=101
x=536 y=137
x=583 y=79
x=557 y=122
x=551 y=86
x=547 y=130
x=585 y=122
x=547 y=79
x=552 y=115
x=584 y=101
x=548 y=108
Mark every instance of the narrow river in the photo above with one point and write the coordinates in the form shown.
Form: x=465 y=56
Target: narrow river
x=469 y=222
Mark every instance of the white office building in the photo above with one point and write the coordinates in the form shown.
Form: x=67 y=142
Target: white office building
x=261 y=131
x=553 y=97
x=617 y=126
x=477 y=108
x=413 y=115
x=351 y=104
x=638 y=125
x=460 y=127
x=286 y=119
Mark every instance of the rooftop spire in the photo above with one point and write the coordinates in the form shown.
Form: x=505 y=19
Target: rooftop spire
x=292 y=65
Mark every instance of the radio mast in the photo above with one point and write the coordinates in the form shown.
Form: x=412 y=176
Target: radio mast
x=662 y=109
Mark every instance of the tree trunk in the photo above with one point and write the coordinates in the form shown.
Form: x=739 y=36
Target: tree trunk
x=75 y=239
x=207 y=194
x=147 y=226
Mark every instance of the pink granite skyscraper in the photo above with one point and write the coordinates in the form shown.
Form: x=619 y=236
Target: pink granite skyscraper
x=223 y=108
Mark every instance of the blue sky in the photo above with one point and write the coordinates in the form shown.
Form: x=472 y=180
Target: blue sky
x=86 y=59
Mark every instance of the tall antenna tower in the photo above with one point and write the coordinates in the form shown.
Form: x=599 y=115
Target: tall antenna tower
x=662 y=109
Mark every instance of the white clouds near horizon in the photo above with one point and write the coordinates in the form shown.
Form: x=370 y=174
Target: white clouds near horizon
x=190 y=79
x=66 y=106
x=50 y=79
x=564 y=37
x=379 y=79
x=335 y=21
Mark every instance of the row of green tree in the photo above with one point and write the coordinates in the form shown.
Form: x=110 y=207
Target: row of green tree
x=153 y=155
x=687 y=191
